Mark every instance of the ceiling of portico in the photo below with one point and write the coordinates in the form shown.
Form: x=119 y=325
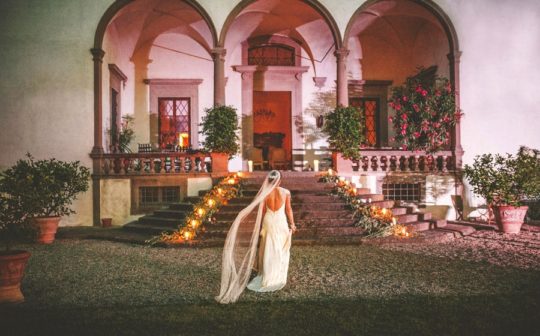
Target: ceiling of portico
x=394 y=20
x=289 y=18
x=137 y=25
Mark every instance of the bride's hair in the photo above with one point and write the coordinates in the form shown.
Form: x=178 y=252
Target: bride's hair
x=274 y=175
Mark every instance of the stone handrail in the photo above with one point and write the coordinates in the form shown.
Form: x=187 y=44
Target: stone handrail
x=392 y=160
x=164 y=163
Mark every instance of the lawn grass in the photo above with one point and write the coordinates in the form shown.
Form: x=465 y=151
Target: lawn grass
x=104 y=288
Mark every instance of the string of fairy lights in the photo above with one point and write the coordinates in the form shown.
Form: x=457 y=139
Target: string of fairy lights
x=375 y=220
x=203 y=211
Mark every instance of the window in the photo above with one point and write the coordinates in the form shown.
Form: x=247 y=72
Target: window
x=411 y=192
x=273 y=54
x=158 y=195
x=174 y=122
x=370 y=106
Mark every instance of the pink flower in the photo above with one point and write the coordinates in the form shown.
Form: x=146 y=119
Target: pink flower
x=405 y=98
x=404 y=126
x=392 y=139
x=404 y=116
x=416 y=108
x=438 y=93
x=392 y=105
x=404 y=147
x=416 y=134
x=398 y=107
x=390 y=119
x=419 y=88
x=424 y=93
x=403 y=131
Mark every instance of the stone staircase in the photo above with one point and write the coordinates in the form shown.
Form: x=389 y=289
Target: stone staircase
x=319 y=216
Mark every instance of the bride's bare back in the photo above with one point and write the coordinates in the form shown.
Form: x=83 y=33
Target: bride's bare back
x=274 y=201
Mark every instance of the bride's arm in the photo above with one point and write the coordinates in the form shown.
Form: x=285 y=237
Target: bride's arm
x=288 y=211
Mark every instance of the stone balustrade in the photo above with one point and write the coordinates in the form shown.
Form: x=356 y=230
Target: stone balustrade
x=382 y=161
x=164 y=163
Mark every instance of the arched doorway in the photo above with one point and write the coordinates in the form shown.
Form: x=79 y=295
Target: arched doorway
x=158 y=69
x=388 y=42
x=279 y=54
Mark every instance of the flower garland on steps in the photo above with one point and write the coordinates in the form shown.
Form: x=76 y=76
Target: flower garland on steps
x=376 y=221
x=203 y=212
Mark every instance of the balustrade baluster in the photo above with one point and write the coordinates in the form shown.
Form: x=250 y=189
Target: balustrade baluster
x=403 y=163
x=393 y=163
x=384 y=163
x=374 y=163
x=413 y=163
x=365 y=162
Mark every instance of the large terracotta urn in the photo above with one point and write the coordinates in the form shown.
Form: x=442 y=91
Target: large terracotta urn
x=47 y=227
x=220 y=163
x=509 y=218
x=341 y=165
x=12 y=265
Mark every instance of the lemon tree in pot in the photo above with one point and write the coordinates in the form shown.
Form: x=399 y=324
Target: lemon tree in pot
x=14 y=227
x=345 y=129
x=506 y=182
x=219 y=126
x=46 y=190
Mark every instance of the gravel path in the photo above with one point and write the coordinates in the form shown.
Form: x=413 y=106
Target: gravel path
x=509 y=250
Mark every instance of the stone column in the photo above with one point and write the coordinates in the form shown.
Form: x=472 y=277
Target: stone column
x=98 y=99
x=218 y=54
x=97 y=150
x=341 y=78
x=454 y=59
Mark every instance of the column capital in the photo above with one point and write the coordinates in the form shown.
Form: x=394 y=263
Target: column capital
x=218 y=54
x=97 y=54
x=454 y=56
x=341 y=53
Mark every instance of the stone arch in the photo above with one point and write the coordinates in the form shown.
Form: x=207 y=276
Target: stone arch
x=431 y=6
x=316 y=5
x=119 y=4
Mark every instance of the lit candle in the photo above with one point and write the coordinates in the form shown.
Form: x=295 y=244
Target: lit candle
x=394 y=221
x=316 y=165
x=231 y=181
x=200 y=212
x=194 y=223
x=384 y=210
x=330 y=172
x=240 y=174
x=211 y=202
x=219 y=191
x=250 y=166
x=187 y=235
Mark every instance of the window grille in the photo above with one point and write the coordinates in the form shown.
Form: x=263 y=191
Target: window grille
x=411 y=192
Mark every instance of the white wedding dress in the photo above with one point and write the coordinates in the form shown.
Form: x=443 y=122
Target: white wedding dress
x=274 y=251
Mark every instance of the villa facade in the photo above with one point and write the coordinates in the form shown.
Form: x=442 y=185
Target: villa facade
x=75 y=70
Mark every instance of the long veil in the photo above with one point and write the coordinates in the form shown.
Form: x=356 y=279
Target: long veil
x=241 y=244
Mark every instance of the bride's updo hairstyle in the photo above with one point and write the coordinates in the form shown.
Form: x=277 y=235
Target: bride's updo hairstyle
x=273 y=176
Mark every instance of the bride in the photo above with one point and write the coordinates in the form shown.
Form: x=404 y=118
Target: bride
x=271 y=207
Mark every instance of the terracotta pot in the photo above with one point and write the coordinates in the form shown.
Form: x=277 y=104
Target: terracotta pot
x=12 y=265
x=509 y=218
x=47 y=229
x=340 y=164
x=106 y=222
x=220 y=163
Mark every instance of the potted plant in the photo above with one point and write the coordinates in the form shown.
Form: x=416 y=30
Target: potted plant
x=121 y=139
x=345 y=129
x=506 y=182
x=46 y=190
x=14 y=226
x=425 y=110
x=219 y=126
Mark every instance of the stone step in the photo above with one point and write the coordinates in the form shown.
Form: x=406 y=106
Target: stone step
x=300 y=222
x=174 y=214
x=418 y=226
x=328 y=232
x=224 y=214
x=150 y=229
x=160 y=222
x=383 y=204
x=399 y=211
x=406 y=218
x=373 y=197
x=295 y=206
x=181 y=206
x=293 y=186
